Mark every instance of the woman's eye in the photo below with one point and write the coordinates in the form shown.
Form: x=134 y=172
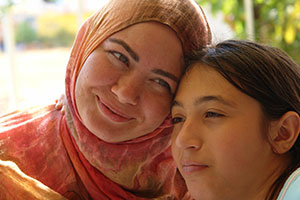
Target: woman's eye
x=213 y=114
x=176 y=120
x=120 y=57
x=164 y=84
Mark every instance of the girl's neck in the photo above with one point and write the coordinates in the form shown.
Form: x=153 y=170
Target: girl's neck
x=266 y=185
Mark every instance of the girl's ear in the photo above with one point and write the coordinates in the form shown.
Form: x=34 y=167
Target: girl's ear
x=284 y=133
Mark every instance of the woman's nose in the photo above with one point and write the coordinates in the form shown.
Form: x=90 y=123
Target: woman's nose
x=128 y=88
x=188 y=136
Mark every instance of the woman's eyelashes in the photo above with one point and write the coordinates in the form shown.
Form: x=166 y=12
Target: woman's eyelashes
x=119 y=56
x=164 y=84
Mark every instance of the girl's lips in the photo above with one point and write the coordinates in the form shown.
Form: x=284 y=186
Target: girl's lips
x=110 y=114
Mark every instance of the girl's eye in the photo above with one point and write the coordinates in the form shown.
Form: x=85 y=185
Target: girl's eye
x=164 y=84
x=120 y=57
x=213 y=114
x=176 y=120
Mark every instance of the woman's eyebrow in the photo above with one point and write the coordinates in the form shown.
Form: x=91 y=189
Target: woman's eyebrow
x=126 y=47
x=166 y=74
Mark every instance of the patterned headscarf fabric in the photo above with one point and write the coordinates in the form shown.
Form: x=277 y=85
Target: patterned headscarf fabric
x=81 y=164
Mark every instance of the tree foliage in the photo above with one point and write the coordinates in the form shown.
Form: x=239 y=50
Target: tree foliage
x=5 y=5
x=277 y=22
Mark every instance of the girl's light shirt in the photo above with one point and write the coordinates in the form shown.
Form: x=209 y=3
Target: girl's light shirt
x=291 y=188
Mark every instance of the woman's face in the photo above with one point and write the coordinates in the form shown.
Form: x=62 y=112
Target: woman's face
x=219 y=143
x=125 y=86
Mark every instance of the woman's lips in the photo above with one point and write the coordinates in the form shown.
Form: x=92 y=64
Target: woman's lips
x=193 y=167
x=112 y=115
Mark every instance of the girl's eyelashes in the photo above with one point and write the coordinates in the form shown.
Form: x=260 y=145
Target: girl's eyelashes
x=176 y=120
x=209 y=114
x=213 y=114
x=119 y=56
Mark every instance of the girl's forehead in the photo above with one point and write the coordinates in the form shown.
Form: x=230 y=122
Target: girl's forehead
x=203 y=81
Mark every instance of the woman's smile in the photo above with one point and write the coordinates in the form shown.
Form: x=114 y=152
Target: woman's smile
x=111 y=113
x=189 y=167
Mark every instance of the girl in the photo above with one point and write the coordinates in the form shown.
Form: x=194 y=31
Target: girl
x=237 y=123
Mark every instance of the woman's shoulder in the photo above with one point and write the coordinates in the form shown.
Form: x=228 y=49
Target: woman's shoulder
x=28 y=131
x=19 y=118
x=291 y=188
x=32 y=140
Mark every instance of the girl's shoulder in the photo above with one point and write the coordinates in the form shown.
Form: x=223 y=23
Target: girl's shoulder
x=291 y=188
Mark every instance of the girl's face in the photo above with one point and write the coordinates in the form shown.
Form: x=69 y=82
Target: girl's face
x=219 y=143
x=125 y=87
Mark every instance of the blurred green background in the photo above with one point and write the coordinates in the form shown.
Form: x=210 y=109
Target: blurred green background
x=51 y=28
x=276 y=22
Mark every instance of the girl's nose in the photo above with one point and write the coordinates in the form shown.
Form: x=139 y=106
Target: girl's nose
x=188 y=136
x=128 y=89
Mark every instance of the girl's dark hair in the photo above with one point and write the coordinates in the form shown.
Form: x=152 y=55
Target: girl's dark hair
x=266 y=74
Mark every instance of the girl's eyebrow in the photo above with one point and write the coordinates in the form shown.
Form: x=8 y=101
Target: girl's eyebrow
x=176 y=103
x=217 y=98
x=126 y=47
x=203 y=99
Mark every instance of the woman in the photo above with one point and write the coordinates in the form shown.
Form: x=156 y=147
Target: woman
x=113 y=142
x=237 y=123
